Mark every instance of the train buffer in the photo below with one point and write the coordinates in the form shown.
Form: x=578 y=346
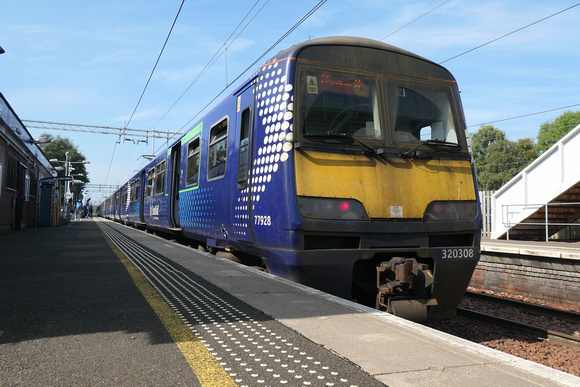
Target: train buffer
x=96 y=302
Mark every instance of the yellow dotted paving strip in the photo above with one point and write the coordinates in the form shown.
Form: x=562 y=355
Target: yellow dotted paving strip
x=205 y=366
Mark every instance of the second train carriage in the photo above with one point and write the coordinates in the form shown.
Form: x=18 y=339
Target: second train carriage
x=344 y=163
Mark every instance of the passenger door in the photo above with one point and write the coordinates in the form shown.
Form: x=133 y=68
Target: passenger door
x=142 y=188
x=175 y=156
x=241 y=211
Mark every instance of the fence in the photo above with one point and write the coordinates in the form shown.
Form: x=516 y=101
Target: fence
x=485 y=200
x=507 y=210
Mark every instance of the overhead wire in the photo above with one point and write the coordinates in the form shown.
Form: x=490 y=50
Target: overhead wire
x=510 y=33
x=501 y=37
x=146 y=85
x=284 y=36
x=491 y=41
x=524 y=115
x=314 y=9
x=156 y=62
x=504 y=135
x=111 y=163
x=566 y=126
x=216 y=56
x=227 y=43
x=414 y=20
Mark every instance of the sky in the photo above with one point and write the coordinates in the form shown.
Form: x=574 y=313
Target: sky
x=87 y=63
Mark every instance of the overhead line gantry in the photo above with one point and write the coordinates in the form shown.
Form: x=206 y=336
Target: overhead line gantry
x=121 y=132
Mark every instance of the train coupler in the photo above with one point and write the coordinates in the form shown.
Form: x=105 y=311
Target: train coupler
x=403 y=287
x=400 y=275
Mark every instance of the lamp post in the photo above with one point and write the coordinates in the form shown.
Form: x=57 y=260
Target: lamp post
x=75 y=181
x=64 y=207
x=68 y=167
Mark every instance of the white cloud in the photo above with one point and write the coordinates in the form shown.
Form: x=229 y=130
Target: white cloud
x=139 y=115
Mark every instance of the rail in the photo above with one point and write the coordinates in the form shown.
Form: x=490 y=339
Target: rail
x=532 y=208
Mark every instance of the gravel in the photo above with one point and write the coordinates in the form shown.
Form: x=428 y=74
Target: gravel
x=552 y=353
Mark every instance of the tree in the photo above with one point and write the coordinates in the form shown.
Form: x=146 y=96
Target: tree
x=483 y=138
x=486 y=165
x=56 y=149
x=552 y=131
x=526 y=152
x=497 y=159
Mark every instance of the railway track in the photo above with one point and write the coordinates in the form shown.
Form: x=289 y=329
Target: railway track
x=525 y=328
x=546 y=336
x=535 y=308
x=541 y=321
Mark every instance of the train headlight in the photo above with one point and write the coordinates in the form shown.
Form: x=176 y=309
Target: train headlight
x=328 y=208
x=451 y=210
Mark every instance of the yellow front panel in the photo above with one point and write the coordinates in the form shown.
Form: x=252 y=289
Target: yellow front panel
x=383 y=187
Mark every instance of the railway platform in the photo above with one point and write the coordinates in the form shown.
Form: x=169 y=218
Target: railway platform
x=532 y=248
x=99 y=303
x=545 y=271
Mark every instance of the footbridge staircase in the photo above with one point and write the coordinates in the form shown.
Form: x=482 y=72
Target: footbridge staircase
x=543 y=198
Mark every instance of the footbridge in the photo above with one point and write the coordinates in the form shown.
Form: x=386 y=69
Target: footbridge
x=544 y=197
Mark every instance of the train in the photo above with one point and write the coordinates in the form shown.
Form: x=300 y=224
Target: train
x=342 y=163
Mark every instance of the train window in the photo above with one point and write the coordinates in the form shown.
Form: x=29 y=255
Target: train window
x=124 y=195
x=339 y=104
x=150 y=178
x=193 y=150
x=160 y=178
x=244 y=149
x=421 y=112
x=135 y=190
x=218 y=144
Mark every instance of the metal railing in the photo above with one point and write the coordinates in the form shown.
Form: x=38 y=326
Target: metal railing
x=532 y=208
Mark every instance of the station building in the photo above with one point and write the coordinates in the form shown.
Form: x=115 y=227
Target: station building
x=28 y=197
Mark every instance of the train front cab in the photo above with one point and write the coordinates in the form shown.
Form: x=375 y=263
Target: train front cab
x=386 y=205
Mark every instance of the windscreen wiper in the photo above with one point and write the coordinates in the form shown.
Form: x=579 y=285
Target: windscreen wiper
x=343 y=136
x=429 y=142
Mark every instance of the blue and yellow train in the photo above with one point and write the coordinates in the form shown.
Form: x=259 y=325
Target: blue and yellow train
x=344 y=163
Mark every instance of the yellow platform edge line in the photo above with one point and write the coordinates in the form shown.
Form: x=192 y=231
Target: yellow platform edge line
x=204 y=365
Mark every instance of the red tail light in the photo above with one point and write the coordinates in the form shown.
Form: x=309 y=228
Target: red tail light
x=344 y=206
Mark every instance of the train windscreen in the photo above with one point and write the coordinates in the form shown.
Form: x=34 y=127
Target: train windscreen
x=420 y=112
x=337 y=104
x=340 y=104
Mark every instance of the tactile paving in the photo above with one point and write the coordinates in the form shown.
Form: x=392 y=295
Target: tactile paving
x=250 y=346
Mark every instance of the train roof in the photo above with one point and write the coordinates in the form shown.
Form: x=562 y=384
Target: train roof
x=346 y=41
x=421 y=65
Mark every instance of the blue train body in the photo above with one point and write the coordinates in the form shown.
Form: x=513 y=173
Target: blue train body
x=338 y=209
